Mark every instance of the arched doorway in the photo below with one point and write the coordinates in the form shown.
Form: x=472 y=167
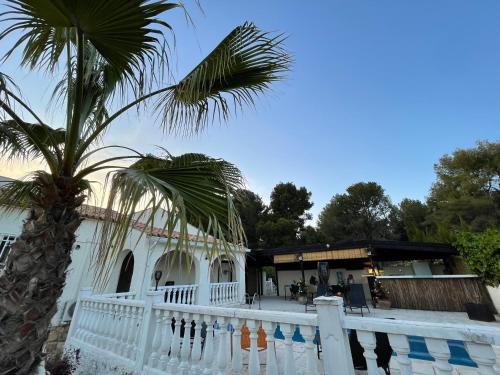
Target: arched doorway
x=222 y=271
x=126 y=272
x=176 y=269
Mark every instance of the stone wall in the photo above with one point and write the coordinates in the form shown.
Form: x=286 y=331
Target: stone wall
x=55 y=343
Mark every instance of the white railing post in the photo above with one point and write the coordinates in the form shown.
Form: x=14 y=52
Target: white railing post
x=84 y=292
x=337 y=357
x=145 y=331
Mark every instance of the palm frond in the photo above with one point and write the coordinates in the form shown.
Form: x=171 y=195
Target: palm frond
x=15 y=142
x=127 y=33
x=21 y=194
x=242 y=66
x=192 y=186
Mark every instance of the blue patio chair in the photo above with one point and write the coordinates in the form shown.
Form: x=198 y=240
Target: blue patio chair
x=355 y=298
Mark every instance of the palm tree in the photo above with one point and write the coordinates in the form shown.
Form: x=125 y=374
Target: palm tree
x=114 y=57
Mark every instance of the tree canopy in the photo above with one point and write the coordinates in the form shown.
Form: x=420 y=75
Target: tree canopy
x=467 y=189
x=251 y=209
x=363 y=212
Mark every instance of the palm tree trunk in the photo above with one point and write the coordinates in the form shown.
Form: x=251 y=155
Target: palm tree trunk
x=34 y=277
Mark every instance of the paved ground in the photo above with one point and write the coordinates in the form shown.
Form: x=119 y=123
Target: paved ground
x=279 y=304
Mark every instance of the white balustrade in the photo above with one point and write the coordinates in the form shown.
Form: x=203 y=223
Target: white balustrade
x=185 y=294
x=122 y=295
x=190 y=339
x=224 y=293
x=108 y=325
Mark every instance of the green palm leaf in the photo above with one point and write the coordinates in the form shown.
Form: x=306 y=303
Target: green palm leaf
x=127 y=33
x=191 y=186
x=242 y=66
x=15 y=142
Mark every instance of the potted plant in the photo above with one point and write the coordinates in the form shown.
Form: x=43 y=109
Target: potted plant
x=381 y=298
x=302 y=293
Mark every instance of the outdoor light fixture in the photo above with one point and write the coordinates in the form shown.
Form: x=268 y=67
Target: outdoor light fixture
x=158 y=275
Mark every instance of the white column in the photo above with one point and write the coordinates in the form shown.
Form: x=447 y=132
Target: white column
x=203 y=280
x=240 y=276
x=334 y=339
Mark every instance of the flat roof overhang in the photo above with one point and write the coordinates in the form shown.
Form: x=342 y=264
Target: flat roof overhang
x=355 y=251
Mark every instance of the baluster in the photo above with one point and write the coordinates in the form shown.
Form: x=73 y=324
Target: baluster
x=400 y=345
x=222 y=347
x=224 y=293
x=484 y=356
x=166 y=339
x=137 y=330
x=212 y=294
x=186 y=345
x=439 y=350
x=126 y=324
x=169 y=291
x=272 y=366
x=196 y=351
x=173 y=363
x=368 y=341
x=102 y=342
x=288 y=330
x=130 y=333
x=121 y=330
x=107 y=328
x=184 y=295
x=93 y=311
x=237 y=361
x=208 y=350
x=190 y=295
x=101 y=326
x=309 y=333
x=253 y=357
x=115 y=328
x=93 y=307
x=155 y=345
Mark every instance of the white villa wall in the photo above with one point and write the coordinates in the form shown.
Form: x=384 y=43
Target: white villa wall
x=146 y=251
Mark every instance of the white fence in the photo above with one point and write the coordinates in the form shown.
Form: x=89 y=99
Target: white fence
x=123 y=295
x=158 y=338
x=224 y=293
x=181 y=294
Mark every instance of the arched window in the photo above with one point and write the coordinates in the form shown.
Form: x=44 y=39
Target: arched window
x=126 y=272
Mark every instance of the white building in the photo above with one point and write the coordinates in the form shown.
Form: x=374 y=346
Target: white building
x=219 y=282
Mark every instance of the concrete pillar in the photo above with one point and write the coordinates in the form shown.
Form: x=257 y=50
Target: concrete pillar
x=239 y=266
x=203 y=280
x=334 y=338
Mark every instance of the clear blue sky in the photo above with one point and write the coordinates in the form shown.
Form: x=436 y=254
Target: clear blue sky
x=379 y=91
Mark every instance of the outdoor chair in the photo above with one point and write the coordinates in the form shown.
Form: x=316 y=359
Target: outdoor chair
x=250 y=300
x=294 y=289
x=355 y=298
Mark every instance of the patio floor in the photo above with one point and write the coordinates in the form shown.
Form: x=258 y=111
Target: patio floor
x=280 y=304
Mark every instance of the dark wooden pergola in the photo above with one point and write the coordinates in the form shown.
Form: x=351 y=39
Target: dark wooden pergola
x=351 y=255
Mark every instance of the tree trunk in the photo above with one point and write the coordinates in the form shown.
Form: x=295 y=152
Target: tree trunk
x=34 y=277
